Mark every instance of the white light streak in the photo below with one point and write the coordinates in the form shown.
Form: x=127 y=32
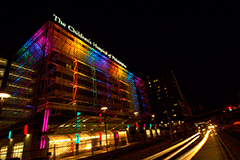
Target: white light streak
x=179 y=150
x=193 y=151
x=159 y=154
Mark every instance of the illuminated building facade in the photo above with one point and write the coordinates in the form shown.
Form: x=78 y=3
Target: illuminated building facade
x=70 y=80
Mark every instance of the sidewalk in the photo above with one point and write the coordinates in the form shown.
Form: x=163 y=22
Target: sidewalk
x=103 y=154
x=87 y=154
x=231 y=143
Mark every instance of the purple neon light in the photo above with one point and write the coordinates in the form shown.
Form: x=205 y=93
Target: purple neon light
x=45 y=120
x=42 y=143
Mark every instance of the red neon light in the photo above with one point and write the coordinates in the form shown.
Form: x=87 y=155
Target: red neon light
x=238 y=122
x=25 y=129
x=100 y=135
x=137 y=125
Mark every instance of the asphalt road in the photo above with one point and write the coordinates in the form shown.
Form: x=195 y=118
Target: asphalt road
x=212 y=149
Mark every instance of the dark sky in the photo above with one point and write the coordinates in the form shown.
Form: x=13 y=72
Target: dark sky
x=199 y=41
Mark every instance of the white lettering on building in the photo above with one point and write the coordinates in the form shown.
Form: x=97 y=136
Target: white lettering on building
x=80 y=35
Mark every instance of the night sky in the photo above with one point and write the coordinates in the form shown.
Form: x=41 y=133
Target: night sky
x=198 y=41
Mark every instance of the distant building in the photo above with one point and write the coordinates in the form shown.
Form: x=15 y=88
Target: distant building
x=166 y=99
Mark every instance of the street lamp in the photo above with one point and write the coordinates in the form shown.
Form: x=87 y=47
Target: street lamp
x=137 y=131
x=105 y=126
x=136 y=114
x=2 y=96
x=153 y=116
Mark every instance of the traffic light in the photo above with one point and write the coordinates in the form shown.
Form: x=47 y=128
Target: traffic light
x=230 y=108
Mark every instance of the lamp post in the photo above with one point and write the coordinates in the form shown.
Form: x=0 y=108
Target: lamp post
x=153 y=116
x=105 y=126
x=137 y=132
x=169 y=120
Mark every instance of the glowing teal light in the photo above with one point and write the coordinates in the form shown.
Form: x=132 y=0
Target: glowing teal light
x=9 y=134
x=150 y=125
x=127 y=126
x=78 y=139
x=78 y=121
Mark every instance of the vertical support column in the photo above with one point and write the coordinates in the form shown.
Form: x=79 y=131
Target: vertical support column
x=109 y=93
x=105 y=125
x=94 y=87
x=119 y=92
x=75 y=81
x=54 y=152
x=77 y=143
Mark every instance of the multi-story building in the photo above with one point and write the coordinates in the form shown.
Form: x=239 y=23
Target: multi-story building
x=166 y=99
x=19 y=106
x=66 y=80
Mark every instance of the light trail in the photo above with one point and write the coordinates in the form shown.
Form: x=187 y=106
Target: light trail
x=192 y=152
x=179 y=150
x=159 y=154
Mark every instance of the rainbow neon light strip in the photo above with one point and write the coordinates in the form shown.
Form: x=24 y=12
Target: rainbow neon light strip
x=50 y=37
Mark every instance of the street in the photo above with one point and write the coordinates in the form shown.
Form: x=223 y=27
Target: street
x=209 y=146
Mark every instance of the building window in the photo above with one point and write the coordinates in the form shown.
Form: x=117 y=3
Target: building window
x=166 y=92
x=149 y=82
x=159 y=90
x=174 y=115
x=69 y=66
x=165 y=88
x=3 y=152
x=158 y=86
x=159 y=98
x=157 y=94
x=150 y=86
x=18 y=150
x=175 y=104
x=173 y=110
